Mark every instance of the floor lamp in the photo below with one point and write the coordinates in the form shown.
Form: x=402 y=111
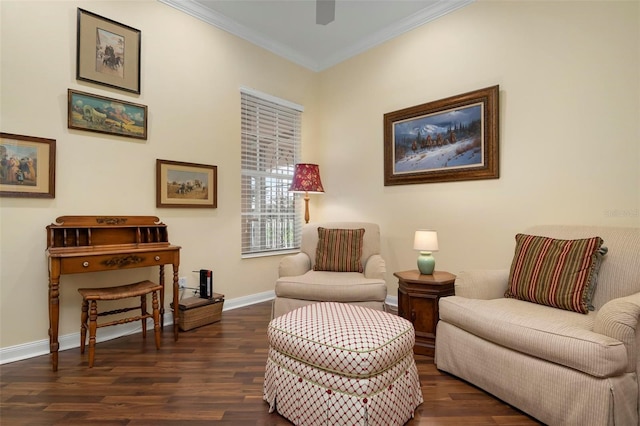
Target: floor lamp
x=306 y=178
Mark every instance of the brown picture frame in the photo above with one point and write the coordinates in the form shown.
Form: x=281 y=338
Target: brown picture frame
x=28 y=166
x=451 y=139
x=190 y=185
x=103 y=48
x=100 y=114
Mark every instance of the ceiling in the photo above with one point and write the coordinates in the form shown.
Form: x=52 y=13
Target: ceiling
x=288 y=27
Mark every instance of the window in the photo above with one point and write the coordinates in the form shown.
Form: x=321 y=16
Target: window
x=271 y=223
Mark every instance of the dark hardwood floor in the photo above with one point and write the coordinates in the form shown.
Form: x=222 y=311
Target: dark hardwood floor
x=213 y=374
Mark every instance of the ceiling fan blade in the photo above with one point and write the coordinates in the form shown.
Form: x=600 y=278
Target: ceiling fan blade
x=325 y=11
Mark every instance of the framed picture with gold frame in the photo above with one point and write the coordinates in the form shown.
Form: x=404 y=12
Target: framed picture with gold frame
x=451 y=139
x=180 y=184
x=106 y=115
x=27 y=166
x=108 y=52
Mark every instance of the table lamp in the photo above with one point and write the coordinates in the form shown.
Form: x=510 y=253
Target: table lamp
x=306 y=178
x=426 y=241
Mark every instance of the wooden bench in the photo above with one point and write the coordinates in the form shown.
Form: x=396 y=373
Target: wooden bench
x=90 y=297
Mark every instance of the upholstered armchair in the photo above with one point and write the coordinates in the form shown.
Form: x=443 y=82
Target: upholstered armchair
x=328 y=268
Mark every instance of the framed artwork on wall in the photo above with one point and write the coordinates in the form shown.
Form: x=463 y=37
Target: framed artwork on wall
x=108 y=52
x=451 y=139
x=106 y=115
x=180 y=184
x=27 y=166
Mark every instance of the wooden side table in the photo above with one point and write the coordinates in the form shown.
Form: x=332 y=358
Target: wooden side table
x=418 y=297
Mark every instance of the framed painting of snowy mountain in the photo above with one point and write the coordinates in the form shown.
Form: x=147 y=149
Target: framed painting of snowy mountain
x=447 y=140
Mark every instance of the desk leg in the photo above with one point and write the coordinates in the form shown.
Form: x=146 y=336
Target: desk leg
x=176 y=302
x=161 y=282
x=54 y=316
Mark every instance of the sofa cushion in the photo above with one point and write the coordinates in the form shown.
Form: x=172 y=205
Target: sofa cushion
x=332 y=286
x=556 y=335
x=339 y=250
x=553 y=272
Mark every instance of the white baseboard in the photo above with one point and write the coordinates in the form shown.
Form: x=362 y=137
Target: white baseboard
x=70 y=341
x=392 y=301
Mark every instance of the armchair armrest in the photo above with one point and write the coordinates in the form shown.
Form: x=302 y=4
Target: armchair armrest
x=375 y=267
x=294 y=265
x=482 y=284
x=618 y=318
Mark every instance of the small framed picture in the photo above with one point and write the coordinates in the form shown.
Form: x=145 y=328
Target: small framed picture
x=450 y=139
x=27 y=166
x=108 y=52
x=106 y=115
x=181 y=184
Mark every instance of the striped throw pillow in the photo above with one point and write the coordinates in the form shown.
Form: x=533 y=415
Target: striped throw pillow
x=553 y=272
x=339 y=250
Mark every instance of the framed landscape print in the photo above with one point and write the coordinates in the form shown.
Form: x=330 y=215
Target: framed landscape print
x=27 y=166
x=451 y=139
x=181 y=184
x=106 y=115
x=108 y=52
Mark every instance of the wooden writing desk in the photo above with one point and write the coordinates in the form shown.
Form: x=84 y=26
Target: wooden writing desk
x=79 y=244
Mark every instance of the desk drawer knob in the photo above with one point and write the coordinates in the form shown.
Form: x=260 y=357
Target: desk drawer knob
x=157 y=257
x=85 y=264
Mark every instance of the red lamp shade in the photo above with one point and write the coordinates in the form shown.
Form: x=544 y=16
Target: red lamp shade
x=306 y=178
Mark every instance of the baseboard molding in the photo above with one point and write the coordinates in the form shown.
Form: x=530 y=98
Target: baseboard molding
x=70 y=341
x=392 y=301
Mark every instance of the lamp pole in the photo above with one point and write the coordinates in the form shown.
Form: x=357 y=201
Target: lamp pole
x=306 y=206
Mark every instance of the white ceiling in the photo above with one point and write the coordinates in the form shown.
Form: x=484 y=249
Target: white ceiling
x=288 y=27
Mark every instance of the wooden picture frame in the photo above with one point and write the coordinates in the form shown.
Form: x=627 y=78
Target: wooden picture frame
x=180 y=184
x=451 y=139
x=28 y=166
x=100 y=114
x=108 y=52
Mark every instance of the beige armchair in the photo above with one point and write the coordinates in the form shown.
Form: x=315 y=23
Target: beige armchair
x=299 y=284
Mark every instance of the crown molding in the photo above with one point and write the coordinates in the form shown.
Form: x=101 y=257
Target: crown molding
x=218 y=20
x=428 y=14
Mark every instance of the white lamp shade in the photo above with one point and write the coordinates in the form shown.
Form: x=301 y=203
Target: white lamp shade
x=425 y=240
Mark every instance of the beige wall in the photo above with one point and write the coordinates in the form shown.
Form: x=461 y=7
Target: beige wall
x=569 y=135
x=191 y=75
x=569 y=76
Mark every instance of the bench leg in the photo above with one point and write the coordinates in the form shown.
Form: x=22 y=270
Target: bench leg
x=93 y=325
x=143 y=309
x=83 y=325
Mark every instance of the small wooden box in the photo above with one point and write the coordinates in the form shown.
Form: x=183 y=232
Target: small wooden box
x=196 y=311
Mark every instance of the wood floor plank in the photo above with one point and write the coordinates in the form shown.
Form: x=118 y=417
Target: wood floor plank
x=213 y=374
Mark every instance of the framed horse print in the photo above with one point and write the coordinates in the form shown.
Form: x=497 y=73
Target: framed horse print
x=108 y=52
x=180 y=184
x=106 y=115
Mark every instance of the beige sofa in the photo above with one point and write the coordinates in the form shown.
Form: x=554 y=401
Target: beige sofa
x=561 y=367
x=299 y=285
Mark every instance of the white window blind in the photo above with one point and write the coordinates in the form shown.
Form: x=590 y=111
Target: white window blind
x=271 y=222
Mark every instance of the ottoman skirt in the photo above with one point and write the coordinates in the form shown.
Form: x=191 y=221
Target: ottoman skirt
x=338 y=382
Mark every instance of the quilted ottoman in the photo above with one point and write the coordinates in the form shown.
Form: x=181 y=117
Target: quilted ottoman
x=334 y=363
